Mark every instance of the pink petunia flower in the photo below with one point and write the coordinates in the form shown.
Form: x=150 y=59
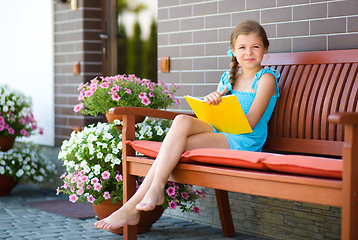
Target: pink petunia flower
x=23 y=132
x=80 y=191
x=72 y=189
x=78 y=107
x=115 y=97
x=88 y=93
x=105 y=175
x=185 y=195
x=58 y=191
x=119 y=178
x=90 y=199
x=88 y=187
x=151 y=94
x=94 y=180
x=172 y=205
x=80 y=97
x=171 y=191
x=73 y=198
x=41 y=131
x=142 y=95
x=84 y=178
x=104 y=85
x=196 y=209
x=128 y=91
x=11 y=131
x=146 y=101
x=97 y=187
x=106 y=195
x=115 y=89
x=65 y=185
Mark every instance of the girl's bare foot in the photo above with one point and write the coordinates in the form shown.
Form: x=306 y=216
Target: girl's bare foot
x=154 y=197
x=119 y=218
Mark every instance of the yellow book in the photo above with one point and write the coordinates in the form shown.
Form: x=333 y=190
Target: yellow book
x=227 y=116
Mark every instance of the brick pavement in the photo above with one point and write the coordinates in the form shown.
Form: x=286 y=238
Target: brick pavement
x=18 y=221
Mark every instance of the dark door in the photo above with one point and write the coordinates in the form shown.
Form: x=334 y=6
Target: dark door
x=129 y=29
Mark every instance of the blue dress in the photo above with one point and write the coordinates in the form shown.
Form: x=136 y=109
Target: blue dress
x=255 y=140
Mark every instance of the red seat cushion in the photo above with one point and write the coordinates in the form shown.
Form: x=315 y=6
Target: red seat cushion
x=151 y=149
x=228 y=157
x=305 y=165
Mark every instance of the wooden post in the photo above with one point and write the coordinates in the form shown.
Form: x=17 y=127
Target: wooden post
x=129 y=181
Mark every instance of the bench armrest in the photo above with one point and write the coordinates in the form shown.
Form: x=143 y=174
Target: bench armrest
x=344 y=118
x=139 y=111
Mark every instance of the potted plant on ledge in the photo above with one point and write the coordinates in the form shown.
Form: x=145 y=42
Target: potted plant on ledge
x=92 y=158
x=104 y=93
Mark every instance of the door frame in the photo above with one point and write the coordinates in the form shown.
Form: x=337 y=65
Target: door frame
x=109 y=37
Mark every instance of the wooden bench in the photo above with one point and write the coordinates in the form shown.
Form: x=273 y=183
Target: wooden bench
x=318 y=91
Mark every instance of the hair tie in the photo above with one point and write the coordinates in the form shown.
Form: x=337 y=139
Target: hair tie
x=229 y=52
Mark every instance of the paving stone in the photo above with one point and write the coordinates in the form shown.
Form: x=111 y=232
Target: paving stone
x=18 y=221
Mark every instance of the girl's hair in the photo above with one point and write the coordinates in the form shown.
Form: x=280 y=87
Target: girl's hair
x=245 y=28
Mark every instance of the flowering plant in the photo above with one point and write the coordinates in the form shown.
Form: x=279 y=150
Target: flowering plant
x=16 y=117
x=104 y=93
x=26 y=160
x=93 y=156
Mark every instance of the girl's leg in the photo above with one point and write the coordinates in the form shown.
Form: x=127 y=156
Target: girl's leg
x=185 y=133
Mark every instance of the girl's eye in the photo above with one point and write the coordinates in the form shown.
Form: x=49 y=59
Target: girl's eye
x=257 y=46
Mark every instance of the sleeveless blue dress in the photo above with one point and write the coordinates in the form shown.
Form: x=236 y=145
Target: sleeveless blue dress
x=255 y=140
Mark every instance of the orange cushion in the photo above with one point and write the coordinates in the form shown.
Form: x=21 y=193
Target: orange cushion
x=228 y=157
x=151 y=149
x=305 y=165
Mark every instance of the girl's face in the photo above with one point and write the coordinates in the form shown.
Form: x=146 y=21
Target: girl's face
x=249 y=50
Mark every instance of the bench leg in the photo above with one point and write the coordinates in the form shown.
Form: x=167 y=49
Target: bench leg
x=350 y=184
x=222 y=199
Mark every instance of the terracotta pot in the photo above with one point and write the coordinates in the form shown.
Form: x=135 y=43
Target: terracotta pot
x=6 y=143
x=7 y=183
x=112 y=117
x=147 y=219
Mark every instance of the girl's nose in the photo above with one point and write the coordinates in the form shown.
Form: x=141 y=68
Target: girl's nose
x=248 y=51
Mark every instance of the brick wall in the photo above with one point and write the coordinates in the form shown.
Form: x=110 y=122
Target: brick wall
x=195 y=35
x=76 y=39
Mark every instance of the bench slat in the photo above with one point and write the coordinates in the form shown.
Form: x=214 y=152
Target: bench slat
x=307 y=189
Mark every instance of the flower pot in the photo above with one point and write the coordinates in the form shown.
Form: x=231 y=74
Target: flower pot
x=147 y=219
x=7 y=183
x=112 y=117
x=6 y=143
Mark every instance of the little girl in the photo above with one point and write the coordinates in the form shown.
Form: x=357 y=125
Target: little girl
x=257 y=91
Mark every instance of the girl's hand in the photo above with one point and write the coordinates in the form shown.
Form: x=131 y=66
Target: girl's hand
x=215 y=97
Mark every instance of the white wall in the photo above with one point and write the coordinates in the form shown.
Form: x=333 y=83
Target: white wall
x=27 y=58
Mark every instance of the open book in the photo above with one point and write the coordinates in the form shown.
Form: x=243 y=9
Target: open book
x=227 y=117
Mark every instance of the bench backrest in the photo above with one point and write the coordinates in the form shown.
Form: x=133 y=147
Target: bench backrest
x=312 y=86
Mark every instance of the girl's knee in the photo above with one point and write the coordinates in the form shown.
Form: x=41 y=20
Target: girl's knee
x=182 y=119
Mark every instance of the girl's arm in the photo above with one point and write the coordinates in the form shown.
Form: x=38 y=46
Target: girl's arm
x=266 y=87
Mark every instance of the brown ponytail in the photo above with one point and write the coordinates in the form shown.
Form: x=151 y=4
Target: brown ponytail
x=234 y=67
